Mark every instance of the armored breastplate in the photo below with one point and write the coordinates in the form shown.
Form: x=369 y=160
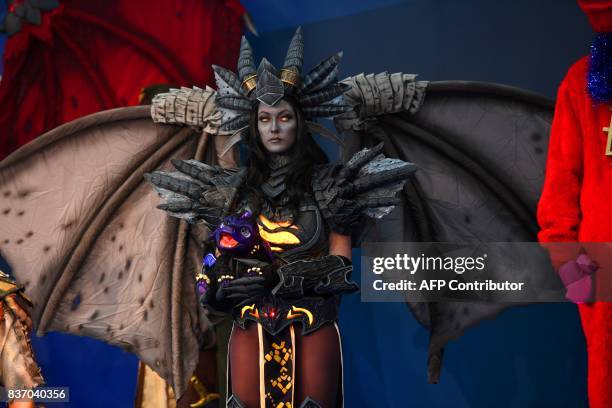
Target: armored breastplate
x=291 y=234
x=306 y=237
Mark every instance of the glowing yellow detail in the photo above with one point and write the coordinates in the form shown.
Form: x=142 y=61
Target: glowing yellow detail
x=281 y=237
x=250 y=308
x=277 y=237
x=300 y=311
x=271 y=225
x=282 y=356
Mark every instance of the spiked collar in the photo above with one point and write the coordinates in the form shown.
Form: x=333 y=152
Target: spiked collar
x=276 y=183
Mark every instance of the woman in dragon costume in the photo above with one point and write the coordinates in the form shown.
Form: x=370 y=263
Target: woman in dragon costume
x=82 y=235
x=281 y=246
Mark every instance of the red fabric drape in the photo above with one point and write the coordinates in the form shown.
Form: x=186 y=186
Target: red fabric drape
x=91 y=56
x=575 y=206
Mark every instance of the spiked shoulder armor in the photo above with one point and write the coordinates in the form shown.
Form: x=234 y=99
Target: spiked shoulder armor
x=197 y=192
x=365 y=185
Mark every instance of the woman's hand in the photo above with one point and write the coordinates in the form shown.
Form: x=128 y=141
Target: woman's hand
x=242 y=290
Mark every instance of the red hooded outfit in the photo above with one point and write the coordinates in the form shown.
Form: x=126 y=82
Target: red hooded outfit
x=575 y=203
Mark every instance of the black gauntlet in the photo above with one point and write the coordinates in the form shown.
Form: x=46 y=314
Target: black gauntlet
x=328 y=275
x=230 y=282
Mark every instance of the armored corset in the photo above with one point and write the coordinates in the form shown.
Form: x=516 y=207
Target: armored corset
x=292 y=236
x=300 y=238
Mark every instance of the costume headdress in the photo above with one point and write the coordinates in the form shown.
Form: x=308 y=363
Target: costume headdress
x=318 y=93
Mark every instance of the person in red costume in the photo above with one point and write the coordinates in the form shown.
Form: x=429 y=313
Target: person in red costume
x=575 y=204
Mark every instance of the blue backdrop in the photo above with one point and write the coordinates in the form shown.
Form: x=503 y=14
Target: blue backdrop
x=529 y=356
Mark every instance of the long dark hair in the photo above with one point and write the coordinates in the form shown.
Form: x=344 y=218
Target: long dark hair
x=304 y=155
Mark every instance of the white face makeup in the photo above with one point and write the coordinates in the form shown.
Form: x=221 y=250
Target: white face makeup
x=277 y=126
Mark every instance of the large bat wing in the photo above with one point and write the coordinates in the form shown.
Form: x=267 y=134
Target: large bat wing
x=81 y=231
x=480 y=150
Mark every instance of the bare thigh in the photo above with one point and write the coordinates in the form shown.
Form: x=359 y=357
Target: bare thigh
x=244 y=365
x=318 y=366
